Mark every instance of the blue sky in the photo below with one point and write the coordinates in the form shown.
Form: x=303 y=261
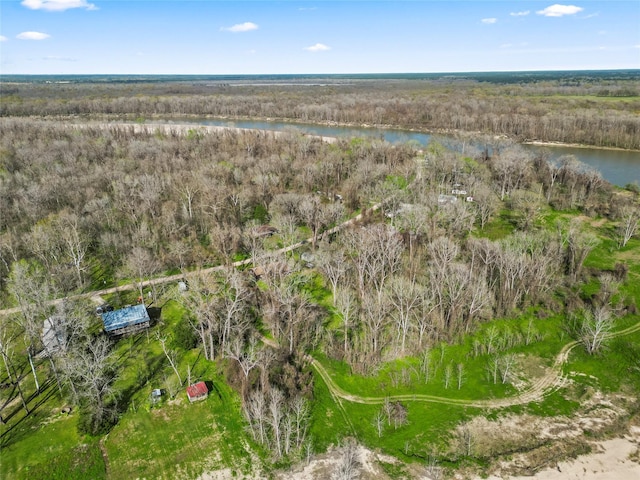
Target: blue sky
x=286 y=36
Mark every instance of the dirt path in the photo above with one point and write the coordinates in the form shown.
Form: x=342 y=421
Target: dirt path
x=551 y=381
x=105 y=456
x=96 y=295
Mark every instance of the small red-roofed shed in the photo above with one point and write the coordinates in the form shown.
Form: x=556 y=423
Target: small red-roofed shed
x=197 y=391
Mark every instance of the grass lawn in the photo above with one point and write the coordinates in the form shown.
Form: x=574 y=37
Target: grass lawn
x=329 y=423
x=181 y=440
x=52 y=449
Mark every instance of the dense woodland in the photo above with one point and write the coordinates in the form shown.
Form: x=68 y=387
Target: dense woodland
x=83 y=209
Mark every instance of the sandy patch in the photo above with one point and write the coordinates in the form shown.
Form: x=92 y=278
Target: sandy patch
x=611 y=460
x=325 y=466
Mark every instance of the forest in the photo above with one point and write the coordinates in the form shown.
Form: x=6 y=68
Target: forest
x=333 y=288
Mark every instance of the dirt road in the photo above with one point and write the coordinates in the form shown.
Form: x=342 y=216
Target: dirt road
x=551 y=381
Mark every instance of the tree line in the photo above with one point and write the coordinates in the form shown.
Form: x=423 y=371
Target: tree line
x=600 y=114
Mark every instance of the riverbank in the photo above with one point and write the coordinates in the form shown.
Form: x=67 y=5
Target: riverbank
x=617 y=166
x=400 y=129
x=540 y=143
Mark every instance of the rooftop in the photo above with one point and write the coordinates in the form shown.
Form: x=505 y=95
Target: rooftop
x=125 y=317
x=197 y=390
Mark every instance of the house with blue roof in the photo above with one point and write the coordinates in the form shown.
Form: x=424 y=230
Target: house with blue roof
x=126 y=320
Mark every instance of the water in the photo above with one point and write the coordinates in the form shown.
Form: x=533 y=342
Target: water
x=619 y=167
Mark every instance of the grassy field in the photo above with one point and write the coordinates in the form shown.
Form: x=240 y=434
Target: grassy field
x=181 y=440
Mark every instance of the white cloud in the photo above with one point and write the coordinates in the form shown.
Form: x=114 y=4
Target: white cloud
x=559 y=10
x=512 y=45
x=32 y=36
x=520 y=14
x=489 y=21
x=318 y=47
x=58 y=5
x=59 y=59
x=636 y=46
x=241 y=27
x=3 y=38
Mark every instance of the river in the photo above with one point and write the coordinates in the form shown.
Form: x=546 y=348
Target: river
x=619 y=167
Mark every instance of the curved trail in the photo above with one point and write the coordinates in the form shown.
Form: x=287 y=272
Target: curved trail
x=548 y=383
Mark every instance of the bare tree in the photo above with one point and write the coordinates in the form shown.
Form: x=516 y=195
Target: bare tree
x=579 y=243
x=347 y=306
x=75 y=241
x=460 y=375
x=374 y=317
x=7 y=353
x=233 y=305
x=29 y=286
x=255 y=411
x=433 y=471
x=466 y=439
x=629 y=219
x=378 y=422
x=140 y=265
x=172 y=355
x=486 y=204
x=425 y=364
x=317 y=215
x=595 y=327
x=413 y=221
x=511 y=166
x=349 y=464
x=333 y=264
x=447 y=374
x=90 y=367
x=527 y=205
x=375 y=252
x=201 y=300
x=247 y=356
x=507 y=363
x=405 y=295
x=493 y=368
x=275 y=408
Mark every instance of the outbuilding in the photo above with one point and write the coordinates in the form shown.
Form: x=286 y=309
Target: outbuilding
x=197 y=391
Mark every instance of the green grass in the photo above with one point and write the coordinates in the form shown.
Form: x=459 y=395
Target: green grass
x=554 y=404
x=617 y=366
x=428 y=428
x=179 y=438
x=500 y=227
x=329 y=423
x=51 y=448
x=84 y=461
x=174 y=438
x=388 y=380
